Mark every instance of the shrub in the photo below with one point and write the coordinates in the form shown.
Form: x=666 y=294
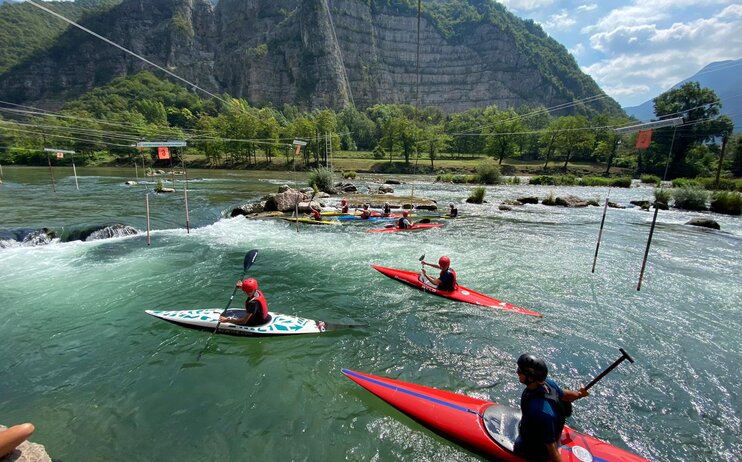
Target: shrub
x=514 y=180
x=594 y=181
x=508 y=170
x=159 y=186
x=461 y=179
x=321 y=178
x=725 y=184
x=351 y=175
x=567 y=180
x=550 y=199
x=729 y=202
x=662 y=195
x=477 y=195
x=488 y=172
x=624 y=182
x=651 y=179
x=681 y=182
x=445 y=178
x=690 y=198
x=543 y=179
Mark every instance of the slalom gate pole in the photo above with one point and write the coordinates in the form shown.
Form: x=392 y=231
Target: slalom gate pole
x=646 y=252
x=600 y=231
x=74 y=170
x=51 y=174
x=146 y=201
x=185 y=195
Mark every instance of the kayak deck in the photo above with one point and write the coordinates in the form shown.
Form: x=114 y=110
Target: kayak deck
x=460 y=294
x=485 y=427
x=278 y=324
x=310 y=221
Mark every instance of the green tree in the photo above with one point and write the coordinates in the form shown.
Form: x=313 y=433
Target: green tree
x=700 y=109
x=737 y=157
x=434 y=141
x=505 y=128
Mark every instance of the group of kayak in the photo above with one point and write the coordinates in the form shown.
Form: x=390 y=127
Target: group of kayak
x=492 y=430
x=402 y=221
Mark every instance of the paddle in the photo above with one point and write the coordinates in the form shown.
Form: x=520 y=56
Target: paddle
x=249 y=260
x=624 y=355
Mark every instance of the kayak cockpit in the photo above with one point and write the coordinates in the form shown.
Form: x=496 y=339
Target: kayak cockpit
x=502 y=424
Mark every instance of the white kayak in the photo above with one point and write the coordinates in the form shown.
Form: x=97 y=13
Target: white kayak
x=278 y=324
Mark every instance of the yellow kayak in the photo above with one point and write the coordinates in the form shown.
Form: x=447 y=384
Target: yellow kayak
x=310 y=221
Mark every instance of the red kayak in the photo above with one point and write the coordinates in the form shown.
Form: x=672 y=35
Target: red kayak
x=415 y=227
x=484 y=427
x=460 y=294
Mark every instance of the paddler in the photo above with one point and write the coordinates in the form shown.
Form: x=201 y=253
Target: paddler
x=404 y=222
x=365 y=213
x=453 y=212
x=315 y=212
x=387 y=209
x=344 y=205
x=256 y=307
x=544 y=407
x=446 y=280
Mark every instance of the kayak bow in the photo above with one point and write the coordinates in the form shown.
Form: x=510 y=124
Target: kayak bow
x=485 y=427
x=460 y=294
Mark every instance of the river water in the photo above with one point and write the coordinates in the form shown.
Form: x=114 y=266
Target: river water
x=101 y=380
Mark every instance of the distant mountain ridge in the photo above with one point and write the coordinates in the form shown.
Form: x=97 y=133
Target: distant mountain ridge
x=314 y=54
x=723 y=77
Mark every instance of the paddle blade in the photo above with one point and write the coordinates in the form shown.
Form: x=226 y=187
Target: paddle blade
x=422 y=257
x=250 y=258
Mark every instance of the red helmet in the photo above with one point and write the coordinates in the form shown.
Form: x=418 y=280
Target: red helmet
x=249 y=285
x=405 y=213
x=444 y=262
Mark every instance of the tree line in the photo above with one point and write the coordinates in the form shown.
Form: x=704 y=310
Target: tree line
x=230 y=132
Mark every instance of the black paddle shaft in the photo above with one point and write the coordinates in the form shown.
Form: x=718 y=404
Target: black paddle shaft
x=249 y=260
x=624 y=355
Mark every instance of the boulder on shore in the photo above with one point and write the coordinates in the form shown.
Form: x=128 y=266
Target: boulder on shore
x=528 y=200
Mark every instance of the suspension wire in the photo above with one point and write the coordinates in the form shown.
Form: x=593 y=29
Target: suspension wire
x=340 y=52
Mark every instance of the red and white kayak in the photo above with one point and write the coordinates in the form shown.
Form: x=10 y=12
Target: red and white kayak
x=484 y=427
x=414 y=227
x=460 y=294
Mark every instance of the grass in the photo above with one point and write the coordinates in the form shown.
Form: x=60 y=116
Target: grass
x=571 y=180
x=650 y=179
x=488 y=172
x=662 y=195
x=728 y=202
x=477 y=195
x=690 y=198
x=321 y=179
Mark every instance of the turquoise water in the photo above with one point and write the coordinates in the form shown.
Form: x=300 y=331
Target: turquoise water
x=103 y=381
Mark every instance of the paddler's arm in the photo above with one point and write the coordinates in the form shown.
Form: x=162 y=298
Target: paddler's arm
x=572 y=395
x=552 y=450
x=434 y=281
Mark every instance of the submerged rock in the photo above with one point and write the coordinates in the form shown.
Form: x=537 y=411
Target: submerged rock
x=115 y=230
x=704 y=222
x=571 y=201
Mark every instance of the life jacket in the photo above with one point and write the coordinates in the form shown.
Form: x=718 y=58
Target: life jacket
x=258 y=297
x=563 y=409
x=344 y=209
x=365 y=214
x=453 y=273
x=403 y=223
x=316 y=215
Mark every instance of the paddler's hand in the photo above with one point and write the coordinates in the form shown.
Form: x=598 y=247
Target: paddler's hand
x=582 y=393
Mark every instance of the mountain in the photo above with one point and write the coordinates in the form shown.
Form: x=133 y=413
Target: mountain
x=722 y=77
x=313 y=54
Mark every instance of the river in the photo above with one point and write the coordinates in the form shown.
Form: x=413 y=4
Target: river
x=101 y=380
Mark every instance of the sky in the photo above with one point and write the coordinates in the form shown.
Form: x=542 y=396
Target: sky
x=637 y=49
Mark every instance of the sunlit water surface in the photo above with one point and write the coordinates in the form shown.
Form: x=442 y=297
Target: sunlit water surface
x=103 y=381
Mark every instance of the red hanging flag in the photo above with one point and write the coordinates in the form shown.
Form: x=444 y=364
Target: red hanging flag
x=163 y=153
x=60 y=155
x=643 y=139
x=298 y=150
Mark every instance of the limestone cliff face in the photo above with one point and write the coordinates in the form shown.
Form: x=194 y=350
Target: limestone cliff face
x=310 y=53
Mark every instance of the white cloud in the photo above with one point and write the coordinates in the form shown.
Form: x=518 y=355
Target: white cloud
x=577 y=50
x=589 y=7
x=643 y=56
x=526 y=5
x=560 y=21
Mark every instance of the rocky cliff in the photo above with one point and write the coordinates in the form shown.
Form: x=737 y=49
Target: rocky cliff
x=312 y=53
